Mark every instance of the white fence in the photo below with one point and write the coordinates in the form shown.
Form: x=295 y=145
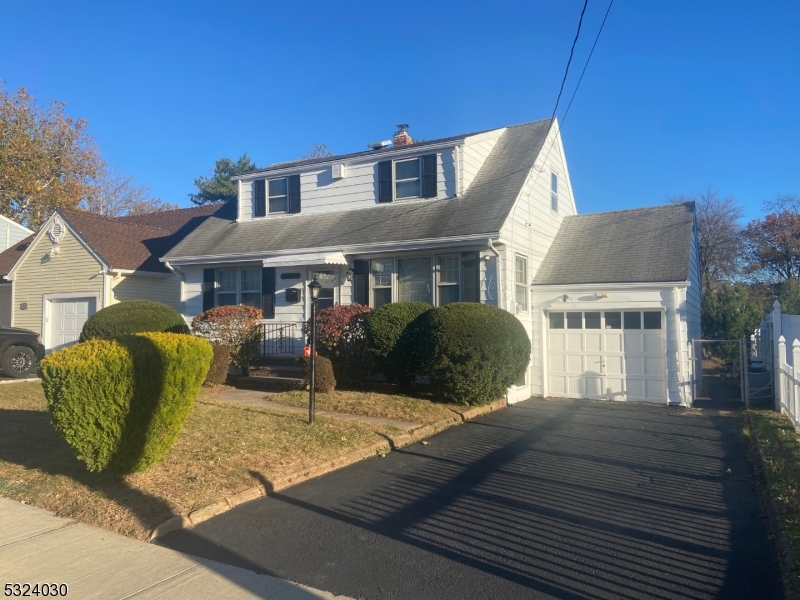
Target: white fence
x=769 y=344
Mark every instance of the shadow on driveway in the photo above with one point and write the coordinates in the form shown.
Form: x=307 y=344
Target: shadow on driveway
x=560 y=499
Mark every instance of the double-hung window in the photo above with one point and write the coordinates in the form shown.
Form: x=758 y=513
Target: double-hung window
x=278 y=196
x=447 y=279
x=521 y=282
x=250 y=287
x=407 y=178
x=238 y=286
x=226 y=286
x=554 y=192
x=381 y=274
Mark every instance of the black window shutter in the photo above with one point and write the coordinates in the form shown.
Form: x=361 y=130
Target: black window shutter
x=470 y=277
x=361 y=282
x=260 y=198
x=294 y=193
x=268 y=292
x=385 y=181
x=429 y=179
x=208 y=289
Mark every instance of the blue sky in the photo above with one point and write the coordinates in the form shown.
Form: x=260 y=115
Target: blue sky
x=679 y=95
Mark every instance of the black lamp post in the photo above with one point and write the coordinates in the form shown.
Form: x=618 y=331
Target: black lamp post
x=313 y=289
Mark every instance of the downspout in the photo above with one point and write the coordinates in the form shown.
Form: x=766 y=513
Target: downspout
x=494 y=251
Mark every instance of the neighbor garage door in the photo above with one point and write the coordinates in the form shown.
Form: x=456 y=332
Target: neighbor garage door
x=67 y=317
x=616 y=355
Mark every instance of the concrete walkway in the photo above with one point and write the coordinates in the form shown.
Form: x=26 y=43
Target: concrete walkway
x=259 y=398
x=37 y=547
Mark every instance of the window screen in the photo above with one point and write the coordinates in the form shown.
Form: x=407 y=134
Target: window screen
x=652 y=320
x=633 y=320
x=592 y=320
x=574 y=320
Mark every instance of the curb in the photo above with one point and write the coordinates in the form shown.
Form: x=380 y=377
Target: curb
x=21 y=380
x=281 y=483
x=789 y=579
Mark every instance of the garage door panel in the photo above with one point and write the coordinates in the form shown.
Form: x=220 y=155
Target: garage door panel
x=653 y=343
x=558 y=385
x=557 y=342
x=577 y=386
x=613 y=342
x=634 y=365
x=635 y=388
x=558 y=363
x=654 y=366
x=614 y=365
x=574 y=364
x=615 y=387
x=574 y=342
x=633 y=343
x=593 y=342
x=594 y=386
x=655 y=390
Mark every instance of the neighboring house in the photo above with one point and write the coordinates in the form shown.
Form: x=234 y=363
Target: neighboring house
x=80 y=262
x=486 y=217
x=11 y=233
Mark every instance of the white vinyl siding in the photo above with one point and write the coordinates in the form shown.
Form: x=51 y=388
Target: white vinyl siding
x=357 y=189
x=11 y=233
x=474 y=153
x=146 y=287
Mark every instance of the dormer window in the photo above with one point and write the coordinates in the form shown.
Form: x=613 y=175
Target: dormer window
x=278 y=195
x=408 y=178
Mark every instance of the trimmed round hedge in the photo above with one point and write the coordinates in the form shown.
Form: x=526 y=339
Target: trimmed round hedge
x=472 y=353
x=385 y=328
x=122 y=403
x=132 y=316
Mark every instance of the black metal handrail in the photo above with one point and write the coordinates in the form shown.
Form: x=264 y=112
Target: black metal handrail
x=278 y=338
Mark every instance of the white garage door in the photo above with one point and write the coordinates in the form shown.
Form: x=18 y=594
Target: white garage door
x=67 y=317
x=615 y=355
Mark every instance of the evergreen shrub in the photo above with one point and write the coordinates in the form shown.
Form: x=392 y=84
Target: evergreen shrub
x=324 y=379
x=218 y=371
x=122 y=403
x=472 y=353
x=385 y=328
x=132 y=316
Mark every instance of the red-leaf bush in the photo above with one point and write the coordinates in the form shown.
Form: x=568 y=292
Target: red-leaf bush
x=234 y=327
x=342 y=337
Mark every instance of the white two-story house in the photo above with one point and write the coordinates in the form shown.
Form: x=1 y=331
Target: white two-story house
x=468 y=218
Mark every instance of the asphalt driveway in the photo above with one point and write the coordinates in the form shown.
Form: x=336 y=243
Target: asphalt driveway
x=545 y=499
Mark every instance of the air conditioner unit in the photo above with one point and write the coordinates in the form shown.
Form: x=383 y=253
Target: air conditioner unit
x=338 y=171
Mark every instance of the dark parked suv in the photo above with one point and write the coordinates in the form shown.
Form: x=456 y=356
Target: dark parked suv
x=20 y=352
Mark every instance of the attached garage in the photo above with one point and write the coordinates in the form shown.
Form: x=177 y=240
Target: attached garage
x=616 y=303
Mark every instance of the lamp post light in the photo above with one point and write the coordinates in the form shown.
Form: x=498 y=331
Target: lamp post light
x=313 y=289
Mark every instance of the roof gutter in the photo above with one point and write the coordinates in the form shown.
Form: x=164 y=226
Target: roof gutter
x=422 y=244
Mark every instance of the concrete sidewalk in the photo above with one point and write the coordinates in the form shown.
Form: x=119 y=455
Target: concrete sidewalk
x=37 y=547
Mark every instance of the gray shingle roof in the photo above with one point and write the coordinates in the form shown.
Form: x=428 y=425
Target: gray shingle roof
x=482 y=209
x=625 y=246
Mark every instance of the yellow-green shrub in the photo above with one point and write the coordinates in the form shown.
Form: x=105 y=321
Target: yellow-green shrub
x=122 y=403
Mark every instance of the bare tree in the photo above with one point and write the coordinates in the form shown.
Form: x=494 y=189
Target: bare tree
x=719 y=238
x=118 y=195
x=317 y=151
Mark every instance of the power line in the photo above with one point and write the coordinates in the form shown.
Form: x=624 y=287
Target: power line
x=571 y=53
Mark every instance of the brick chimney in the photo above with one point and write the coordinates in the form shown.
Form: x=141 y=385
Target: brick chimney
x=401 y=137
